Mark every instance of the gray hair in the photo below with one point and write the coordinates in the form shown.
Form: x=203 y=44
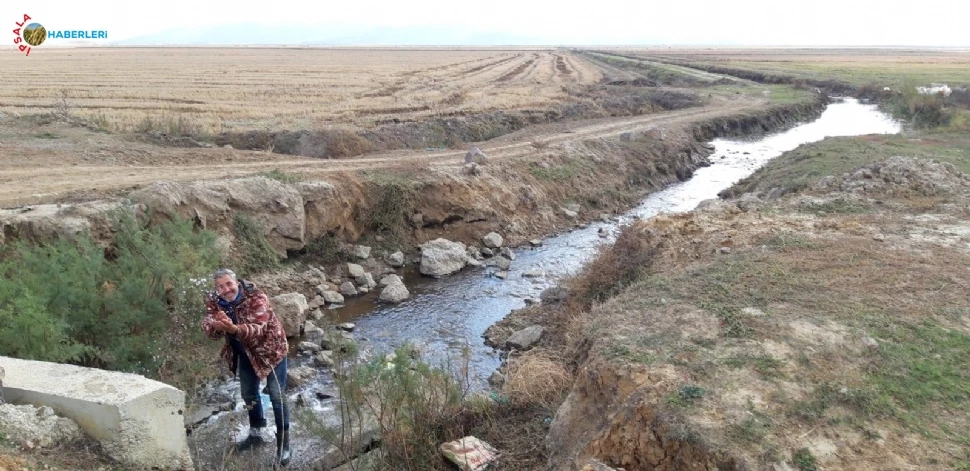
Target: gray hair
x=223 y=272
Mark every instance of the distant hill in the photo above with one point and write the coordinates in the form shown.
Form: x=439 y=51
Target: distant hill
x=297 y=34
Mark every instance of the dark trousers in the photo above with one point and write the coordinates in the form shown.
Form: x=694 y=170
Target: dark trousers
x=276 y=384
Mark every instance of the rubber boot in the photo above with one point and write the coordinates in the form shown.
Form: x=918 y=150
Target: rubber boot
x=283 y=448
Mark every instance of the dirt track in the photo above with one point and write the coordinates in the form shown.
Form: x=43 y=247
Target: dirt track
x=73 y=169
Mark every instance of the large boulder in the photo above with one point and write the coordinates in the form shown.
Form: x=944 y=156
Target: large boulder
x=525 y=338
x=396 y=259
x=492 y=240
x=275 y=207
x=442 y=257
x=138 y=422
x=394 y=293
x=291 y=308
x=476 y=156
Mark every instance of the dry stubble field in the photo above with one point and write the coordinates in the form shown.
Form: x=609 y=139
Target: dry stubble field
x=241 y=89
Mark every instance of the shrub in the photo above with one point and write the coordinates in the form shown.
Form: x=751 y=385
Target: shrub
x=416 y=406
x=921 y=110
x=616 y=266
x=394 y=201
x=254 y=252
x=73 y=301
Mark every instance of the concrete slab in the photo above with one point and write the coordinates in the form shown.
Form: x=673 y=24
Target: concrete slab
x=138 y=421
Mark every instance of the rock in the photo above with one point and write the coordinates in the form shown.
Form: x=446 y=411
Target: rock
x=501 y=262
x=315 y=315
x=502 y=274
x=396 y=259
x=354 y=270
x=496 y=379
x=602 y=232
x=535 y=242
x=507 y=253
x=316 y=302
x=38 y=425
x=574 y=207
x=324 y=359
x=299 y=376
x=487 y=252
x=291 y=308
x=473 y=262
x=775 y=193
x=492 y=240
x=724 y=250
x=753 y=312
x=596 y=465
x=390 y=279
x=469 y=453
x=879 y=238
x=346 y=326
x=570 y=214
x=628 y=136
x=475 y=155
x=361 y=252
x=333 y=297
x=554 y=294
x=227 y=146
x=870 y=342
x=366 y=281
x=312 y=332
x=749 y=202
x=417 y=219
x=348 y=289
x=534 y=272
x=442 y=257
x=309 y=347
x=472 y=169
x=525 y=338
x=394 y=293
x=604 y=217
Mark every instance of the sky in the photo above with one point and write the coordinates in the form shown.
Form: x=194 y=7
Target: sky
x=674 y=22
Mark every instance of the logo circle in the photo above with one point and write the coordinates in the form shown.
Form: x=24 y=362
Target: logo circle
x=35 y=34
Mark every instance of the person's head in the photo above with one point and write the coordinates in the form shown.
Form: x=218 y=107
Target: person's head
x=227 y=287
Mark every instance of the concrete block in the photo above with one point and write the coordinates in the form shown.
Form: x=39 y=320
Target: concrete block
x=138 y=421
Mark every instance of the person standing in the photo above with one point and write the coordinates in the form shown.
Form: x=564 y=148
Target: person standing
x=255 y=350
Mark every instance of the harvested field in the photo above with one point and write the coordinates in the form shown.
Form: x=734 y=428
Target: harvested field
x=211 y=90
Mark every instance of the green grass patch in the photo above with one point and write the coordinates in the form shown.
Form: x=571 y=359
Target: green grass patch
x=806 y=165
x=804 y=460
x=687 y=395
x=393 y=200
x=561 y=173
x=922 y=368
x=279 y=175
x=765 y=365
x=47 y=135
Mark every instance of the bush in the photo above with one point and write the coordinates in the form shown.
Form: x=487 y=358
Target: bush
x=616 y=266
x=254 y=252
x=394 y=202
x=922 y=111
x=333 y=144
x=414 y=406
x=75 y=302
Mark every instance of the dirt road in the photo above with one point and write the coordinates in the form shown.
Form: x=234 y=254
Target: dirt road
x=82 y=165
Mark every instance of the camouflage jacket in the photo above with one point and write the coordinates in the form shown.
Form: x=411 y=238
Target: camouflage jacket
x=260 y=331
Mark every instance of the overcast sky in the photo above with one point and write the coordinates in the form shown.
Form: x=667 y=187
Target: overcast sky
x=755 y=22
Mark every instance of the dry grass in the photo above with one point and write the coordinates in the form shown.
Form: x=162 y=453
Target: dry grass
x=227 y=89
x=537 y=377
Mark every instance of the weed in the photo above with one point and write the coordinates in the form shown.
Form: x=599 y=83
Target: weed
x=804 y=460
x=47 y=135
x=765 y=365
x=687 y=395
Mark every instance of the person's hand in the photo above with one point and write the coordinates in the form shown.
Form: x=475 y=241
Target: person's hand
x=225 y=326
x=221 y=316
